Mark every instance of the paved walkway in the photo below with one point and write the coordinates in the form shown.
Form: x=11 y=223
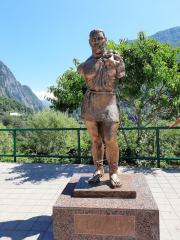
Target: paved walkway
x=28 y=192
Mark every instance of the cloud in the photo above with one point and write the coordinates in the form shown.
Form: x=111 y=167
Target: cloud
x=42 y=94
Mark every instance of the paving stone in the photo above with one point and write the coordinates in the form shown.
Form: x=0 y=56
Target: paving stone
x=50 y=228
x=169 y=190
x=156 y=190
x=41 y=226
x=32 y=217
x=165 y=235
x=30 y=202
x=10 y=225
x=169 y=216
x=45 y=218
x=4 y=233
x=34 y=235
x=5 y=216
x=43 y=202
x=176 y=208
x=17 y=216
x=177 y=190
x=171 y=195
x=48 y=236
x=25 y=225
x=175 y=234
x=165 y=208
x=38 y=209
x=17 y=235
x=159 y=195
x=11 y=209
x=25 y=209
x=178 y=214
x=163 y=201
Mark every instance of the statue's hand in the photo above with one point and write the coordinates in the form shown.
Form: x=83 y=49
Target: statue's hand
x=112 y=59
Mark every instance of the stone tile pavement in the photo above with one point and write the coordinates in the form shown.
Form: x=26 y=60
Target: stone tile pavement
x=28 y=192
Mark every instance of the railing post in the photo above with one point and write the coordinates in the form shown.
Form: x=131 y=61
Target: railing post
x=158 y=148
x=14 y=145
x=79 y=148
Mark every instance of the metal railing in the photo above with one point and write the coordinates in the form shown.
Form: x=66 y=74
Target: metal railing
x=79 y=156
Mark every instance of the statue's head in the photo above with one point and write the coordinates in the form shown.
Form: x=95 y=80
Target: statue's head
x=97 y=41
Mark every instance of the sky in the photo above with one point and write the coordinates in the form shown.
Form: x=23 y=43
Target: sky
x=40 y=38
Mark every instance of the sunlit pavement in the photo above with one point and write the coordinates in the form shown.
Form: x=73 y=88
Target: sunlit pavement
x=28 y=192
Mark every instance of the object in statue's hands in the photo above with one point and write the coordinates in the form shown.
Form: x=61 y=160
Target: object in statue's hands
x=102 y=72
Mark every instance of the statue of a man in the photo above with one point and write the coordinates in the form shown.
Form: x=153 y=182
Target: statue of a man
x=101 y=72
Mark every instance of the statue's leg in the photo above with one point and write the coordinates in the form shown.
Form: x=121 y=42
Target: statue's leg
x=95 y=130
x=112 y=152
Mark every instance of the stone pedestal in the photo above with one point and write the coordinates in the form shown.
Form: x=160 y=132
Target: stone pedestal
x=106 y=217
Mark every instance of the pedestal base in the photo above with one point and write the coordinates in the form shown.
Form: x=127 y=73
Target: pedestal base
x=106 y=218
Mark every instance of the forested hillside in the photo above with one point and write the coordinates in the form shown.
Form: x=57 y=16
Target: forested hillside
x=8 y=105
x=171 y=35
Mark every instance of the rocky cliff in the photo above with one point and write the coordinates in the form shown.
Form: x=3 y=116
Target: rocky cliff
x=12 y=89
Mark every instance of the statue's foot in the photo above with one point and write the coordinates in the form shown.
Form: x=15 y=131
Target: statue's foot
x=115 y=182
x=96 y=178
x=99 y=172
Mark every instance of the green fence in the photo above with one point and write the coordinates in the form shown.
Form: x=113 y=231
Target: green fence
x=79 y=156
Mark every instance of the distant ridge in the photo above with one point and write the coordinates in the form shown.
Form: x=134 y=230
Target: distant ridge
x=171 y=35
x=12 y=89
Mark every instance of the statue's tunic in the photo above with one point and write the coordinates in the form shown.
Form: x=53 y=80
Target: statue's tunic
x=99 y=103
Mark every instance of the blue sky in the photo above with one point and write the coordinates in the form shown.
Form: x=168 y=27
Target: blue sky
x=40 y=38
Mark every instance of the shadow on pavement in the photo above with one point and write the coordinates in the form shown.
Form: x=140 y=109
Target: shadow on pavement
x=39 y=226
x=35 y=173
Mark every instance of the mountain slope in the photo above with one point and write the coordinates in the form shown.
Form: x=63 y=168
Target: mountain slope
x=171 y=35
x=9 y=105
x=12 y=89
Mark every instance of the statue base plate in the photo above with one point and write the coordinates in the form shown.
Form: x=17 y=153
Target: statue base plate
x=102 y=189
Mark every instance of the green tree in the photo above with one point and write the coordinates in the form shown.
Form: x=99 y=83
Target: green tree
x=68 y=94
x=151 y=87
x=6 y=141
x=50 y=142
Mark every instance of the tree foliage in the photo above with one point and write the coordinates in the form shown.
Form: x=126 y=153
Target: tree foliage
x=151 y=87
x=9 y=105
x=6 y=141
x=69 y=91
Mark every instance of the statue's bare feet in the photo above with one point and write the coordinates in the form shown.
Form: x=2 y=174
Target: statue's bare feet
x=99 y=172
x=96 y=177
x=115 y=182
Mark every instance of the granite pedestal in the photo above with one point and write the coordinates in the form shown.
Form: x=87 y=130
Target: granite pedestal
x=106 y=217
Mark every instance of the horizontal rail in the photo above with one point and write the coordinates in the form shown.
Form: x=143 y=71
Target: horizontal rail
x=64 y=129
x=78 y=156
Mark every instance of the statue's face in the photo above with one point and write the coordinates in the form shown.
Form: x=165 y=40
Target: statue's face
x=97 y=42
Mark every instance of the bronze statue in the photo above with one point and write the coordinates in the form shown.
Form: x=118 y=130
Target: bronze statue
x=101 y=72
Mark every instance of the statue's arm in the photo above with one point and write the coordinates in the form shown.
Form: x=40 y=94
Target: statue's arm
x=120 y=69
x=81 y=68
